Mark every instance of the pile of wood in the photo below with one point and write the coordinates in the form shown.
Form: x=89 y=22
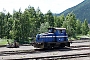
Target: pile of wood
x=12 y=45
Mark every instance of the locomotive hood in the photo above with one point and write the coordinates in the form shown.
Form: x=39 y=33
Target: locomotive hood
x=44 y=35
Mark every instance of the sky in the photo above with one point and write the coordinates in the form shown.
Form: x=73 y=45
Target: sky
x=55 y=6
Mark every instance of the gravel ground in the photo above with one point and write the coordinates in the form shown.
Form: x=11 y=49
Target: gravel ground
x=15 y=49
x=82 y=58
x=55 y=53
x=52 y=53
x=78 y=44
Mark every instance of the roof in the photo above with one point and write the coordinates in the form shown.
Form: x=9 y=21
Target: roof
x=58 y=28
x=61 y=28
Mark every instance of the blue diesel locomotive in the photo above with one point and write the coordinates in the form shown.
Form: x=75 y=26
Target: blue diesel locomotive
x=55 y=37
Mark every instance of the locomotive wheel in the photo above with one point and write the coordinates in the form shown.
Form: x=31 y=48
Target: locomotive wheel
x=68 y=44
x=62 y=45
x=47 y=46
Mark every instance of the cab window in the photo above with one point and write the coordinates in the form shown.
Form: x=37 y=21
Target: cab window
x=59 y=31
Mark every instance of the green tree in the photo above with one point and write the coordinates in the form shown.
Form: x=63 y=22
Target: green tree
x=70 y=24
x=49 y=18
x=44 y=27
x=71 y=18
x=78 y=27
x=32 y=21
x=2 y=24
x=40 y=19
x=58 y=20
x=84 y=27
x=69 y=29
x=15 y=32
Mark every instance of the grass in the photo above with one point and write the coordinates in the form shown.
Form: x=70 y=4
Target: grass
x=4 y=41
x=78 y=37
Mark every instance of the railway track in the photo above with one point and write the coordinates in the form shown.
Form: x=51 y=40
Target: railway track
x=32 y=51
x=55 y=57
x=80 y=41
x=59 y=57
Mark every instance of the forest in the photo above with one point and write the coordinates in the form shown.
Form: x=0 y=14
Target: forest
x=23 y=26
